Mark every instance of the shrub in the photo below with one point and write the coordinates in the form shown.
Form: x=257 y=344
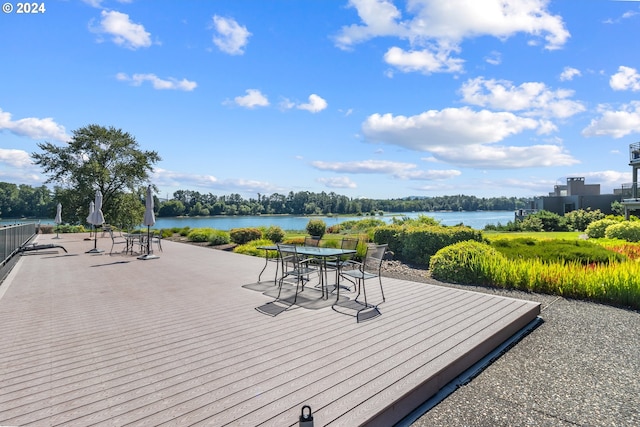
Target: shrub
x=361 y=225
x=420 y=220
x=45 y=229
x=462 y=263
x=244 y=235
x=532 y=223
x=580 y=219
x=316 y=227
x=184 y=231
x=597 y=229
x=199 y=234
x=549 y=221
x=334 y=229
x=629 y=231
x=418 y=243
x=274 y=233
x=218 y=237
x=66 y=228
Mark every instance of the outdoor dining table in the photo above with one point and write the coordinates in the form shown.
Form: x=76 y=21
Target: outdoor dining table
x=133 y=239
x=322 y=254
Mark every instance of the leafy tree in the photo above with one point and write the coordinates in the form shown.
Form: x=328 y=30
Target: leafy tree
x=96 y=158
x=172 y=208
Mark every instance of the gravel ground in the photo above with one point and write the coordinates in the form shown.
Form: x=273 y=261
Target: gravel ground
x=581 y=367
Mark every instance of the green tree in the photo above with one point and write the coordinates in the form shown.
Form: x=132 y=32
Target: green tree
x=96 y=158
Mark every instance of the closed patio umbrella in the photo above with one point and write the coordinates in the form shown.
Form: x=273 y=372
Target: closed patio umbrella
x=91 y=209
x=96 y=218
x=58 y=219
x=149 y=221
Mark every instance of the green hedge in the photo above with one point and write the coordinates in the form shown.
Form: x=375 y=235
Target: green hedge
x=417 y=244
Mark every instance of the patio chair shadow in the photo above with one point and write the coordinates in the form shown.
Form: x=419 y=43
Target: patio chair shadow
x=110 y=263
x=357 y=309
x=310 y=298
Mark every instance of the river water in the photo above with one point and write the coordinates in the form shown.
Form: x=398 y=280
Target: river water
x=477 y=220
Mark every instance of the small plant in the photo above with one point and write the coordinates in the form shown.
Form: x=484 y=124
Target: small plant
x=316 y=227
x=199 y=234
x=274 y=233
x=219 y=237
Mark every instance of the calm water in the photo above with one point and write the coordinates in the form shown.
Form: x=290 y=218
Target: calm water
x=477 y=220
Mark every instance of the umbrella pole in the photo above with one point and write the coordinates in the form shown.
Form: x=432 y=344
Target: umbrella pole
x=148 y=255
x=95 y=249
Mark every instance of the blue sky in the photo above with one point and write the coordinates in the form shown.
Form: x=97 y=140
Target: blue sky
x=366 y=98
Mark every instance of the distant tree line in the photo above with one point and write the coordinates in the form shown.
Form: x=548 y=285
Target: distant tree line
x=193 y=203
x=24 y=201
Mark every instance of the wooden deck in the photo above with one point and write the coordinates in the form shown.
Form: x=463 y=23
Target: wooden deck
x=106 y=340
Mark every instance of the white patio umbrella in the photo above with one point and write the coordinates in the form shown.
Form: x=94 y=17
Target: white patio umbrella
x=149 y=221
x=58 y=219
x=96 y=218
x=91 y=209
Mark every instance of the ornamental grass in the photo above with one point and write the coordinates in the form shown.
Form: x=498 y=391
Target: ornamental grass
x=616 y=283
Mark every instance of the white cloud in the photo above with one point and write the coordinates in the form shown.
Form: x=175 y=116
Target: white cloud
x=172 y=179
x=534 y=98
x=615 y=123
x=463 y=137
x=422 y=61
x=15 y=158
x=98 y=3
x=337 y=182
x=495 y=58
x=286 y=104
x=33 y=128
x=626 y=78
x=459 y=126
x=16 y=166
x=253 y=98
x=124 y=32
x=482 y=156
x=399 y=170
x=158 y=83
x=569 y=73
x=315 y=104
x=608 y=178
x=230 y=36
x=436 y=28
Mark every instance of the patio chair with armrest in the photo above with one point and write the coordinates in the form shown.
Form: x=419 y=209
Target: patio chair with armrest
x=312 y=241
x=338 y=263
x=118 y=240
x=156 y=238
x=295 y=269
x=359 y=272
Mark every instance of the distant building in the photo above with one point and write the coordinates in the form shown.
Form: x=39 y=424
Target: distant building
x=630 y=195
x=575 y=195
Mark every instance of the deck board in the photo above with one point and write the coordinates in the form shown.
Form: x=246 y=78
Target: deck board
x=112 y=341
